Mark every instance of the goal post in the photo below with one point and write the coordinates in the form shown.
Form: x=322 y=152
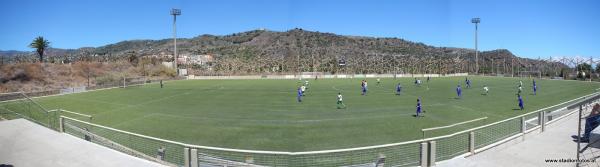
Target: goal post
x=530 y=74
x=309 y=75
x=132 y=81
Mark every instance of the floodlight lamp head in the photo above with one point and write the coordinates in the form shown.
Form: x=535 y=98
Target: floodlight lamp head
x=475 y=20
x=175 y=12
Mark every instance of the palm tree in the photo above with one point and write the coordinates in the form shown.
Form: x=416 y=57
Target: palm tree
x=40 y=44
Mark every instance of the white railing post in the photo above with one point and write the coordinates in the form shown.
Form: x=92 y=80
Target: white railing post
x=523 y=127
x=472 y=142
x=59 y=115
x=61 y=122
x=540 y=117
x=542 y=120
x=186 y=157
x=194 y=157
x=424 y=154
x=579 y=134
x=432 y=153
x=380 y=160
x=49 y=118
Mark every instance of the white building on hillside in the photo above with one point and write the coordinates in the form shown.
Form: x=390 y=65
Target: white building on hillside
x=201 y=59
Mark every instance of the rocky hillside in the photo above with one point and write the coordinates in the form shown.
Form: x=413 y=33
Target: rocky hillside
x=263 y=51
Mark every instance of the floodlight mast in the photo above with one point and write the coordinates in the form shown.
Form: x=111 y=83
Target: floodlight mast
x=476 y=21
x=175 y=13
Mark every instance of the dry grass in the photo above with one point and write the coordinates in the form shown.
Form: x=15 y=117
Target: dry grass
x=47 y=76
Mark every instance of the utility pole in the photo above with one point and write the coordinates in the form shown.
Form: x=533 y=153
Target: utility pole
x=591 y=63
x=175 y=13
x=553 y=67
x=504 y=66
x=492 y=66
x=539 y=66
x=476 y=21
x=512 y=67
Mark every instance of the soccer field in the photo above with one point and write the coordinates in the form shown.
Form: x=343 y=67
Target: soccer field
x=264 y=114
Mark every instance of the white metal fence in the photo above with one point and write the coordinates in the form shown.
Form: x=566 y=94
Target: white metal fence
x=587 y=152
x=125 y=82
x=424 y=152
x=319 y=76
x=73 y=90
x=19 y=105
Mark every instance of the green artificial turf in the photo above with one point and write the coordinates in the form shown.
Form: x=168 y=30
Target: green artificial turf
x=264 y=114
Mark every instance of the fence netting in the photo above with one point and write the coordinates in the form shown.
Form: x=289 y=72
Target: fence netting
x=19 y=105
x=589 y=151
x=139 y=146
x=451 y=147
x=397 y=155
x=491 y=134
x=407 y=154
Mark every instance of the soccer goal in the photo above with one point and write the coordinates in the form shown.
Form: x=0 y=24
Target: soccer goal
x=530 y=74
x=133 y=81
x=309 y=75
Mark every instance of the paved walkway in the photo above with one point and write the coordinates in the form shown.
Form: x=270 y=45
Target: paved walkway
x=25 y=144
x=554 y=143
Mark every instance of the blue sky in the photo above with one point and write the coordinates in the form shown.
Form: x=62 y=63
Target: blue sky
x=536 y=28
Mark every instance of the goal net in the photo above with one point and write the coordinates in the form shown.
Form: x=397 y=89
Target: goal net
x=530 y=74
x=309 y=75
x=133 y=81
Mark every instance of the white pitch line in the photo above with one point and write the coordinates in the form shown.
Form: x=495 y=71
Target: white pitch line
x=94 y=101
x=149 y=101
x=484 y=113
x=336 y=88
x=281 y=121
x=132 y=120
x=455 y=124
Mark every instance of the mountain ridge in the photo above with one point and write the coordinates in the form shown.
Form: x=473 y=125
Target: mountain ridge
x=259 y=51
